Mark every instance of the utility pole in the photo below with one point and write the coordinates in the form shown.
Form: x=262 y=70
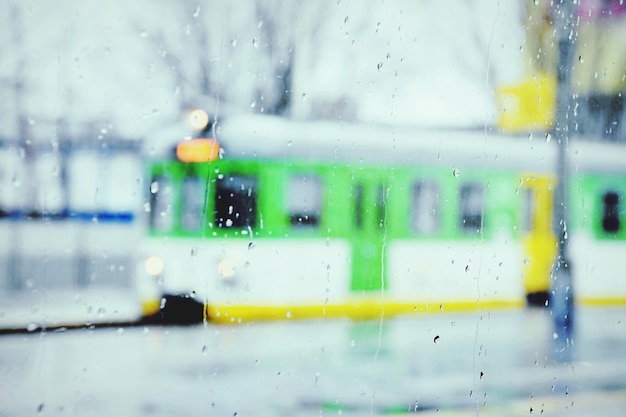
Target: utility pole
x=562 y=291
x=25 y=154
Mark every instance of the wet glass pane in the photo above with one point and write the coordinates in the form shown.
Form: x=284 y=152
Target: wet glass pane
x=330 y=208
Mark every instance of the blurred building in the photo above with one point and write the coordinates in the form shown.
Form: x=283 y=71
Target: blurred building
x=599 y=71
x=599 y=75
x=68 y=229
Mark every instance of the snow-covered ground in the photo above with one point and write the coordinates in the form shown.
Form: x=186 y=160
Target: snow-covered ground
x=439 y=364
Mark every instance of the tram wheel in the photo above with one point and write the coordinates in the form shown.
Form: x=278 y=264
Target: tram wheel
x=180 y=309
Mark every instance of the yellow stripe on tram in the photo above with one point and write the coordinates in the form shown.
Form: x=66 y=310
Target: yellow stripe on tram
x=358 y=310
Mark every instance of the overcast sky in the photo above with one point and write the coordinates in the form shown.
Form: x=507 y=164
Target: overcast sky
x=128 y=69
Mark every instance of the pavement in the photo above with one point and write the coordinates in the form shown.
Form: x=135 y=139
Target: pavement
x=484 y=363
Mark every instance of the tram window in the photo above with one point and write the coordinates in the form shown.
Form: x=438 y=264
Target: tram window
x=50 y=194
x=380 y=206
x=471 y=207
x=528 y=210
x=425 y=207
x=611 y=212
x=161 y=203
x=304 y=200
x=236 y=201
x=192 y=203
x=358 y=206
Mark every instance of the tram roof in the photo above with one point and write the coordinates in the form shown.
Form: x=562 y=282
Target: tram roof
x=279 y=138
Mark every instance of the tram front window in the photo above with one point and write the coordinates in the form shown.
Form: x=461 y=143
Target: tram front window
x=236 y=201
x=193 y=204
x=161 y=203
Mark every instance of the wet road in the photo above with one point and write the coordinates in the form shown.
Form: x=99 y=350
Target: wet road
x=499 y=363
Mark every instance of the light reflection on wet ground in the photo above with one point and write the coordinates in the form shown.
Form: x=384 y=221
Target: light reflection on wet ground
x=498 y=363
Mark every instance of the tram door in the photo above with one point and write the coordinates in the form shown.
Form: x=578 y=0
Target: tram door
x=538 y=240
x=369 y=228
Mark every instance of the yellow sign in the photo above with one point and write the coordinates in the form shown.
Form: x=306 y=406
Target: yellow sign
x=529 y=105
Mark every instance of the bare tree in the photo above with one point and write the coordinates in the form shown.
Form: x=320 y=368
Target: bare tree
x=276 y=34
x=229 y=56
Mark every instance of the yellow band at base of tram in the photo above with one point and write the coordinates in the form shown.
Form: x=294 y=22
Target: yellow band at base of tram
x=363 y=310
x=150 y=307
x=602 y=302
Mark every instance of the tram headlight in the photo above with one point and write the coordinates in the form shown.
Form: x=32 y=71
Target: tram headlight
x=154 y=265
x=226 y=268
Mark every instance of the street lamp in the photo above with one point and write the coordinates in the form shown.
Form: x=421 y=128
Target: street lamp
x=562 y=291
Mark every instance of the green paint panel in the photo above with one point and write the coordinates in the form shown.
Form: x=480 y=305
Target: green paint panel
x=370 y=206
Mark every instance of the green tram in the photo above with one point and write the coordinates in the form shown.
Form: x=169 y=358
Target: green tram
x=279 y=219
